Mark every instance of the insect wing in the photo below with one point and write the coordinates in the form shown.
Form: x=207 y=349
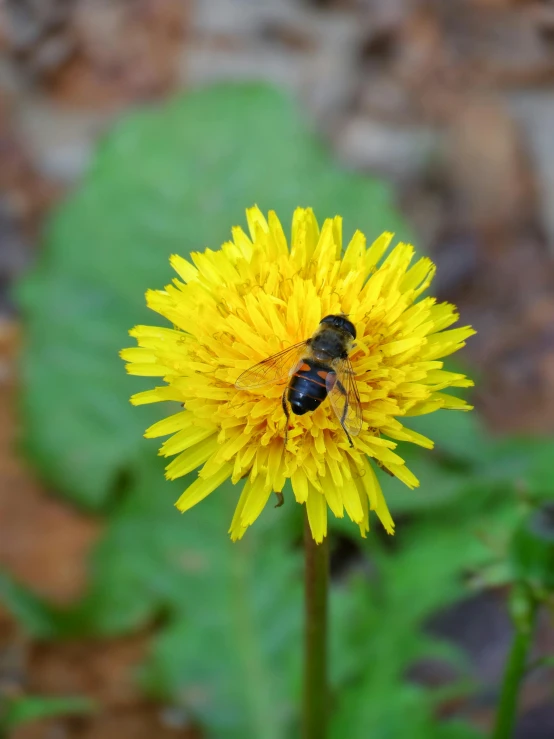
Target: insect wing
x=344 y=396
x=273 y=370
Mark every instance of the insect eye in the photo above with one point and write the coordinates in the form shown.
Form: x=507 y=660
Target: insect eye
x=349 y=326
x=340 y=322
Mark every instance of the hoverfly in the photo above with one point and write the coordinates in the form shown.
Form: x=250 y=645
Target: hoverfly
x=314 y=369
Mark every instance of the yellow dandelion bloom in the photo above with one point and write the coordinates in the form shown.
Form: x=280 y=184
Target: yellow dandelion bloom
x=254 y=297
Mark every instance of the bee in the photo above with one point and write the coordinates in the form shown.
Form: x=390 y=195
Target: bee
x=314 y=369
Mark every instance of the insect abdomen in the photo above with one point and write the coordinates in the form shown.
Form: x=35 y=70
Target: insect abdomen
x=307 y=388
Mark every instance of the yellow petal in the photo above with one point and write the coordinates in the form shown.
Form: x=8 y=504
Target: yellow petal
x=184 y=439
x=156 y=395
x=192 y=458
x=300 y=485
x=255 y=503
x=201 y=488
x=170 y=425
x=404 y=475
x=376 y=498
x=332 y=496
x=352 y=501
x=148 y=369
x=317 y=514
x=237 y=529
x=186 y=271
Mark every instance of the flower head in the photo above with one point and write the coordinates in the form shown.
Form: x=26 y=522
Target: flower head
x=236 y=306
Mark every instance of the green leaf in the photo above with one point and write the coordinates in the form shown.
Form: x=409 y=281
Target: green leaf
x=37 y=617
x=540 y=478
x=35 y=708
x=389 y=613
x=532 y=549
x=458 y=436
x=167 y=180
x=229 y=615
x=440 y=485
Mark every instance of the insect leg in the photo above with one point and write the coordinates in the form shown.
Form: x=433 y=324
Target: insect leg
x=287 y=415
x=280 y=497
x=385 y=469
x=380 y=464
x=342 y=390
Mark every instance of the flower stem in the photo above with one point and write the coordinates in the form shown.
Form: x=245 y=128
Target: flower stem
x=516 y=667
x=315 y=655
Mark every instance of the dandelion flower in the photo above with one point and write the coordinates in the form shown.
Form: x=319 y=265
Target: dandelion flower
x=232 y=308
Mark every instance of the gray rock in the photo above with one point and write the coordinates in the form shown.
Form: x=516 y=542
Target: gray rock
x=535 y=112
x=401 y=152
x=60 y=141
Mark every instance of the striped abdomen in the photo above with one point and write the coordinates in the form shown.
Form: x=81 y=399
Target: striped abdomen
x=308 y=386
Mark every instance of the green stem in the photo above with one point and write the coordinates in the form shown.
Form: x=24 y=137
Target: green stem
x=315 y=655
x=514 y=672
x=257 y=682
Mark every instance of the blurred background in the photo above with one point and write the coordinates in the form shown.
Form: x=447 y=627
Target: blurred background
x=131 y=129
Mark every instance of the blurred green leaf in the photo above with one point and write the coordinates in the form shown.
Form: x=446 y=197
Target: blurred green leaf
x=539 y=483
x=467 y=461
x=35 y=708
x=37 y=617
x=229 y=615
x=458 y=436
x=167 y=180
x=389 y=612
x=532 y=549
